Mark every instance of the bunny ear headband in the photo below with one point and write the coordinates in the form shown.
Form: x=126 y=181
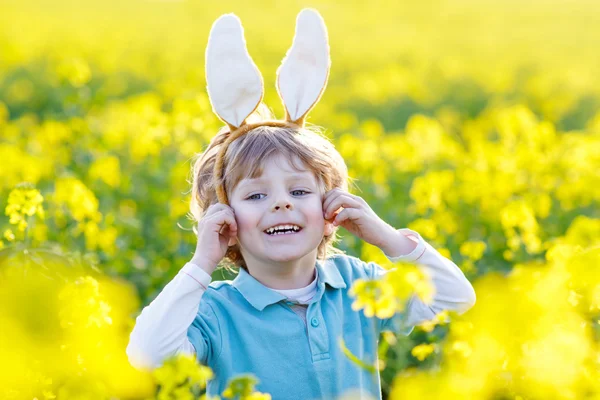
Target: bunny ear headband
x=235 y=85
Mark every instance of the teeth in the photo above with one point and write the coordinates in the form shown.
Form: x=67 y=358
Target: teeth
x=273 y=229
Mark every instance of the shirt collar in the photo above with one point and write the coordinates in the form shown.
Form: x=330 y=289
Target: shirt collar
x=260 y=296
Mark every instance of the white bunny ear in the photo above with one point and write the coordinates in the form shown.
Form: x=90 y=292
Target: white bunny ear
x=234 y=83
x=303 y=74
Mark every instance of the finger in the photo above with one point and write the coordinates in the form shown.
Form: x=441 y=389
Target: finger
x=220 y=211
x=216 y=216
x=345 y=215
x=338 y=193
x=228 y=223
x=341 y=201
x=329 y=196
x=213 y=209
x=227 y=229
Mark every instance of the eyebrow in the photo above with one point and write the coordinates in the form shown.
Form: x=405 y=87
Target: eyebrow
x=292 y=177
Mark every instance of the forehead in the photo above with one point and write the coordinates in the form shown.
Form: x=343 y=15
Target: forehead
x=278 y=167
x=289 y=177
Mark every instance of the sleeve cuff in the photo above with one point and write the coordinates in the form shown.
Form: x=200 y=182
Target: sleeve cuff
x=416 y=253
x=198 y=274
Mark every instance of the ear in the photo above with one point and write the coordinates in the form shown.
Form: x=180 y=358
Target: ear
x=232 y=241
x=234 y=83
x=302 y=76
x=328 y=228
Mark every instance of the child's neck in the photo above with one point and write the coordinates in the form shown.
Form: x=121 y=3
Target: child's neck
x=293 y=274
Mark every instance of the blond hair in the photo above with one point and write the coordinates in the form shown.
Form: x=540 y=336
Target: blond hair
x=245 y=157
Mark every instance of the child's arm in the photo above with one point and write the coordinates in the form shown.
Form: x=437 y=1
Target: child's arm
x=453 y=291
x=161 y=329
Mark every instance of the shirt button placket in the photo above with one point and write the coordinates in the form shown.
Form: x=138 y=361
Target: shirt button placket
x=317 y=333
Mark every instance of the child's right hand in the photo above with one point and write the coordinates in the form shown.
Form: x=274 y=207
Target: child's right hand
x=217 y=230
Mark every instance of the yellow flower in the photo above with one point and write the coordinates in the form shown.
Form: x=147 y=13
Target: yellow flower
x=421 y=285
x=374 y=254
x=462 y=348
x=473 y=249
x=258 y=396
x=440 y=318
x=80 y=200
x=422 y=351
x=24 y=201
x=242 y=385
x=9 y=235
x=426 y=227
x=75 y=70
x=106 y=169
x=83 y=206
x=427 y=326
x=179 y=375
x=48 y=395
x=376 y=297
x=595 y=299
x=445 y=252
x=183 y=393
x=430 y=190
x=83 y=304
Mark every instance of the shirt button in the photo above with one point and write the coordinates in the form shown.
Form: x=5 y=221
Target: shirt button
x=314 y=322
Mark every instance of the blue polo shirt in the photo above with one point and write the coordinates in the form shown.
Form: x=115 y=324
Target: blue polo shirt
x=243 y=326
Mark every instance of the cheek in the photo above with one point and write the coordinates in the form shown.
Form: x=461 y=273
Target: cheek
x=246 y=220
x=316 y=214
x=246 y=229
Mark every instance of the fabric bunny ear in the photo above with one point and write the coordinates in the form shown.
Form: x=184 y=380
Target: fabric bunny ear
x=234 y=83
x=302 y=76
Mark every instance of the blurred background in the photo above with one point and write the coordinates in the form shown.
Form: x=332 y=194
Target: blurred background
x=476 y=123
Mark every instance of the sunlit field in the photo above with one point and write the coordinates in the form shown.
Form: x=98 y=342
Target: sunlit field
x=475 y=123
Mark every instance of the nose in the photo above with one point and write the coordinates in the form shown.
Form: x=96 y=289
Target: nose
x=288 y=205
x=282 y=202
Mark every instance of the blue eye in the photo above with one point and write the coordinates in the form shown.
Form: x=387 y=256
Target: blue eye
x=251 y=197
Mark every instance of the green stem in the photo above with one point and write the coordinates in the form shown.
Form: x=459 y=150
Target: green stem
x=27 y=241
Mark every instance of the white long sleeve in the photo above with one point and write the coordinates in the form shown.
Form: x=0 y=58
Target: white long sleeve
x=453 y=291
x=160 y=330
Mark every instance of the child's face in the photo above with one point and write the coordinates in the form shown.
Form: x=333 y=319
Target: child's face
x=282 y=195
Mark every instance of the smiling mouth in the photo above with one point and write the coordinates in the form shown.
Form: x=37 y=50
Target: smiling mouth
x=286 y=232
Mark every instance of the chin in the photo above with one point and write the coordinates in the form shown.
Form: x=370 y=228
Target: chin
x=291 y=255
x=287 y=257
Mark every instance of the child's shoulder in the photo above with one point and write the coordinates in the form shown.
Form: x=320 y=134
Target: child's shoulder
x=219 y=292
x=350 y=267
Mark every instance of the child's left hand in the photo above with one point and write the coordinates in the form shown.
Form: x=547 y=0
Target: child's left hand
x=356 y=217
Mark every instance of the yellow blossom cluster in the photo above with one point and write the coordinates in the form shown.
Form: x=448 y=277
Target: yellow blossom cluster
x=385 y=297
x=24 y=201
